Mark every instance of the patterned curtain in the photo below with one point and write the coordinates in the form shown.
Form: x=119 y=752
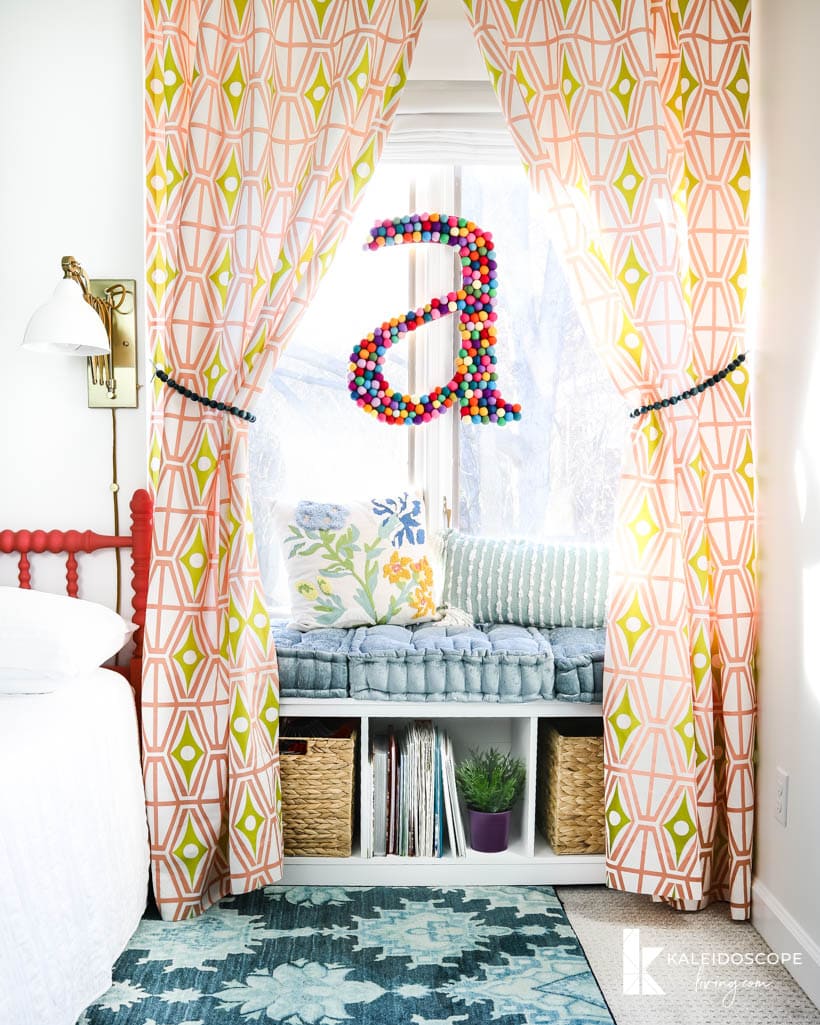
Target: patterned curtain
x=264 y=122
x=632 y=116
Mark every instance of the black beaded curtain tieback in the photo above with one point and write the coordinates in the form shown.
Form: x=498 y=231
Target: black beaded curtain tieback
x=243 y=414
x=690 y=393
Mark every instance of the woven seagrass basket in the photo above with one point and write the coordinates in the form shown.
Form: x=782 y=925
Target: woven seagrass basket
x=318 y=792
x=571 y=787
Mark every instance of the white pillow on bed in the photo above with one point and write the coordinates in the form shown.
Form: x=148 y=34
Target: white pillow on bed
x=30 y=681
x=54 y=635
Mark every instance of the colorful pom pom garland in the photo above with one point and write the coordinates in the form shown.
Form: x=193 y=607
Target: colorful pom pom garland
x=473 y=384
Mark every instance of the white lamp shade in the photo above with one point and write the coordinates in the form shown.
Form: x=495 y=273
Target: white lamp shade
x=67 y=324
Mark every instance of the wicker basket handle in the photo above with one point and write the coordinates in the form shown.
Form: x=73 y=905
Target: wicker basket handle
x=292 y=746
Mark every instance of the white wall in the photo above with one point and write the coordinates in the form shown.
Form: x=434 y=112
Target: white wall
x=786 y=367
x=70 y=183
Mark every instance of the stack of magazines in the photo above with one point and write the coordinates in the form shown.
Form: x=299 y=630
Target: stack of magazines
x=414 y=794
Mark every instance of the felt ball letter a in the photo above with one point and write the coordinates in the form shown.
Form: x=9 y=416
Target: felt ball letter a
x=473 y=386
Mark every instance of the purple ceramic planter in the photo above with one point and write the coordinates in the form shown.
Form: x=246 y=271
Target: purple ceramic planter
x=489 y=830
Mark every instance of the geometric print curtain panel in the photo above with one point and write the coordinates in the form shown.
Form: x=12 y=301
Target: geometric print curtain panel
x=263 y=125
x=632 y=117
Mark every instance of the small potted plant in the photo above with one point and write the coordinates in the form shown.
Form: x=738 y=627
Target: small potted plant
x=490 y=783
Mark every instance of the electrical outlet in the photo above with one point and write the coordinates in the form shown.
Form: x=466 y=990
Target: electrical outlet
x=781 y=796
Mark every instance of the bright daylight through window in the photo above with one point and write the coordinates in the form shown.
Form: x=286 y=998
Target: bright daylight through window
x=553 y=474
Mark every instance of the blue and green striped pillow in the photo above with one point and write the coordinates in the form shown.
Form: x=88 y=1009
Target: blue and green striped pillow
x=515 y=581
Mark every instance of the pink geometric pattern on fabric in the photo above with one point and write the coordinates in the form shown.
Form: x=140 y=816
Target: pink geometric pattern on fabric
x=264 y=123
x=632 y=117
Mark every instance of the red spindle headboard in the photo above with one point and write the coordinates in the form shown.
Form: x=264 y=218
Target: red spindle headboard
x=71 y=542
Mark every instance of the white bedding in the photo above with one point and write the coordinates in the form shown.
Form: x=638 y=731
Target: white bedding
x=73 y=845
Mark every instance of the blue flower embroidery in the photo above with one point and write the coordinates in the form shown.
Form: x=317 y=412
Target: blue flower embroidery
x=407 y=511
x=320 y=516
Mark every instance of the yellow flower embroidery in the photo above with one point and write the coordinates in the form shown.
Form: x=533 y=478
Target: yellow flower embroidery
x=422 y=601
x=324 y=586
x=422 y=598
x=423 y=572
x=307 y=590
x=398 y=569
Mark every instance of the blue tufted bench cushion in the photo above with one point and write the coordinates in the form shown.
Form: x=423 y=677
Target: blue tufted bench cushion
x=495 y=662
x=578 y=655
x=438 y=663
x=312 y=664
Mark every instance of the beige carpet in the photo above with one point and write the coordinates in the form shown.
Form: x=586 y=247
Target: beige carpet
x=693 y=993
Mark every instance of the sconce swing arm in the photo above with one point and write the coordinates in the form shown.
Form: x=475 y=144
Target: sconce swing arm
x=101 y=367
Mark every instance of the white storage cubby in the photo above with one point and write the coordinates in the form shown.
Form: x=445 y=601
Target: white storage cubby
x=510 y=727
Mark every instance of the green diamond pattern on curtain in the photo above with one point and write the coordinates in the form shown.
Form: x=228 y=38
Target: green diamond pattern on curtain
x=264 y=122
x=639 y=138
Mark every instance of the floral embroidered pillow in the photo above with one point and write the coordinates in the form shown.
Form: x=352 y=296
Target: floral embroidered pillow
x=358 y=563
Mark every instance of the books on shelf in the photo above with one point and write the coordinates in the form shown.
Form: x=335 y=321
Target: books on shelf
x=413 y=793
x=381 y=799
x=455 y=824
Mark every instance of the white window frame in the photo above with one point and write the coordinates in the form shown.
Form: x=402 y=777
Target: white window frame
x=434 y=450
x=441 y=126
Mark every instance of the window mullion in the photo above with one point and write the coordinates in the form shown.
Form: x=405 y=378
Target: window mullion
x=435 y=275
x=412 y=354
x=455 y=424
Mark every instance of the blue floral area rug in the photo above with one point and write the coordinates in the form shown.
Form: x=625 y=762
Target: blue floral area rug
x=321 y=955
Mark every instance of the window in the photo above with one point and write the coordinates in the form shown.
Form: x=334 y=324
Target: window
x=554 y=473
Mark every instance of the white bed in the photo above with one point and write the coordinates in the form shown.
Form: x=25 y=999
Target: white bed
x=73 y=845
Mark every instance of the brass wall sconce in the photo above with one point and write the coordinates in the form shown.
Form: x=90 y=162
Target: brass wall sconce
x=94 y=318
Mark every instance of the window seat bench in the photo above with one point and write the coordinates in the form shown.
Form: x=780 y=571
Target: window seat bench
x=496 y=662
x=539 y=612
